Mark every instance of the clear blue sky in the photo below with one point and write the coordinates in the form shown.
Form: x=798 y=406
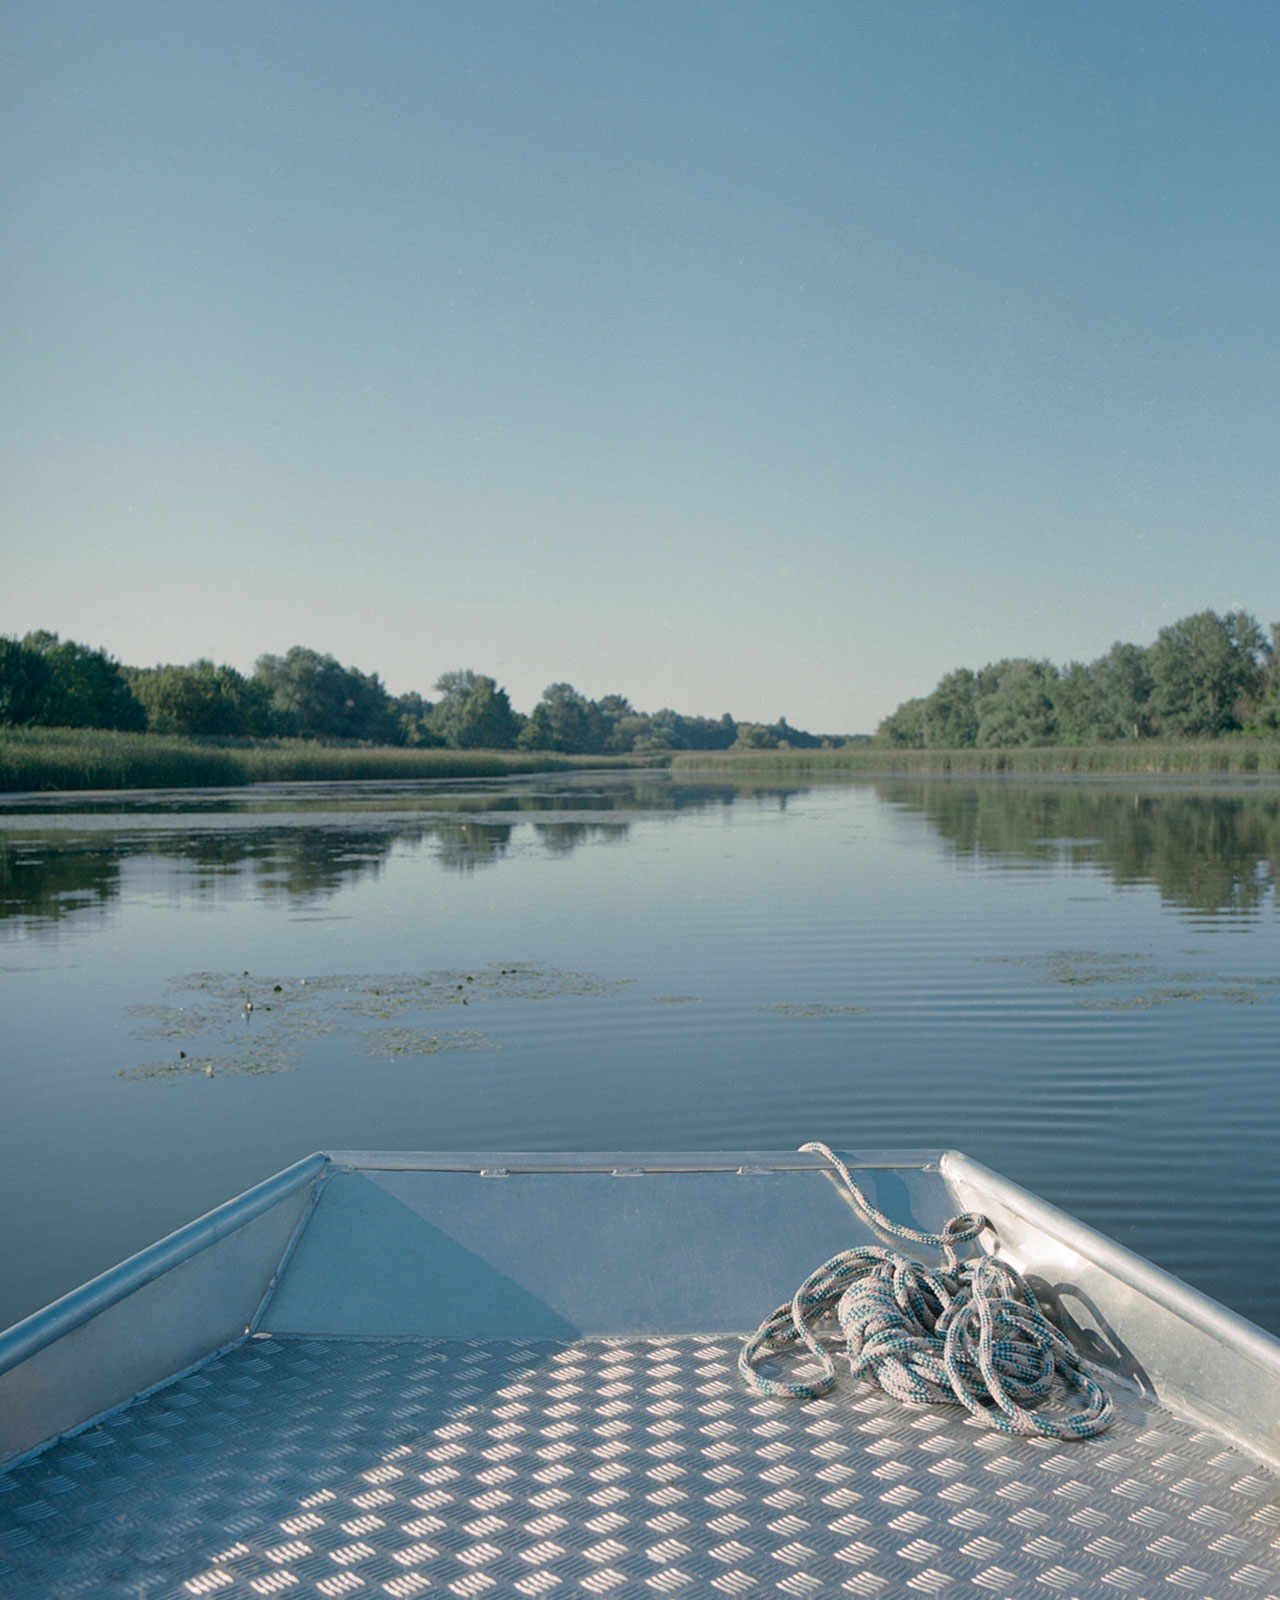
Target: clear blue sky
x=770 y=358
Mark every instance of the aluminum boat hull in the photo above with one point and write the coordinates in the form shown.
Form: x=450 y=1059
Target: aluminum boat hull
x=516 y=1375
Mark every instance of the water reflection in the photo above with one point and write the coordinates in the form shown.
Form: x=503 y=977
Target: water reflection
x=49 y=886
x=1207 y=853
x=43 y=882
x=559 y=838
x=465 y=846
x=572 y=792
x=304 y=842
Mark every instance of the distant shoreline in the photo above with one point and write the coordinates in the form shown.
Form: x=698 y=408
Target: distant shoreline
x=57 y=760
x=1232 y=755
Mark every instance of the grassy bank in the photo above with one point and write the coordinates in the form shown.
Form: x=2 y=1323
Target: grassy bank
x=1149 y=756
x=53 y=759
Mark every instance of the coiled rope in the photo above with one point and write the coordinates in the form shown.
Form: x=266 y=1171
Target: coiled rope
x=969 y=1331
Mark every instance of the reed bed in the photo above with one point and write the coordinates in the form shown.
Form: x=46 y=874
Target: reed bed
x=91 y=758
x=1148 y=756
x=56 y=759
x=304 y=761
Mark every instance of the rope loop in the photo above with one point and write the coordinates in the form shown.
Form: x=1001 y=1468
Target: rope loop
x=968 y=1332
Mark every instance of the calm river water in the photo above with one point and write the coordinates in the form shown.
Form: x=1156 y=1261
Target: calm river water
x=1078 y=984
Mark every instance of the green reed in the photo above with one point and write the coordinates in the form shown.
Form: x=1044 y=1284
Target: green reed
x=91 y=758
x=1145 y=756
x=53 y=759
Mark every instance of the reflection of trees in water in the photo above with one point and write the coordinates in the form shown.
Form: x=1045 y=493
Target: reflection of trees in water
x=48 y=876
x=314 y=863
x=654 y=793
x=47 y=885
x=466 y=846
x=48 y=881
x=305 y=864
x=1205 y=852
x=561 y=837
x=297 y=864
x=1208 y=852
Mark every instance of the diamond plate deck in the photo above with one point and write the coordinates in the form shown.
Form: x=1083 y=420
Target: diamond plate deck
x=610 y=1467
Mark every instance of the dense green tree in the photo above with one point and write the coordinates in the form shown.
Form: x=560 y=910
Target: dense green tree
x=708 y=733
x=1122 y=679
x=905 y=727
x=754 y=736
x=473 y=713
x=321 y=699
x=1205 y=675
x=1206 y=670
x=1075 y=704
x=785 y=737
x=625 y=732
x=616 y=723
x=25 y=681
x=415 y=718
x=664 y=731
x=85 y=689
x=951 y=712
x=1018 y=707
x=303 y=693
x=947 y=719
x=1263 y=714
x=452 y=690
x=205 y=701
x=566 y=720
x=562 y=720
x=652 y=738
x=668 y=729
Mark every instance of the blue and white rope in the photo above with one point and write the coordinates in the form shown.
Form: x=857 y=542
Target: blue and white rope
x=969 y=1332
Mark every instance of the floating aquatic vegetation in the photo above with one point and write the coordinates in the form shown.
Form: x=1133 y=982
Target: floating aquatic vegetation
x=816 y=1009
x=1231 y=994
x=381 y=996
x=253 y=1063
x=1083 y=974
x=677 y=999
x=216 y=1002
x=1083 y=966
x=160 y=1022
x=1149 y=984
x=417 y=1042
x=250 y=1023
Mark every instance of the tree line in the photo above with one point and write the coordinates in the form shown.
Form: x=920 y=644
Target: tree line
x=1202 y=677
x=46 y=681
